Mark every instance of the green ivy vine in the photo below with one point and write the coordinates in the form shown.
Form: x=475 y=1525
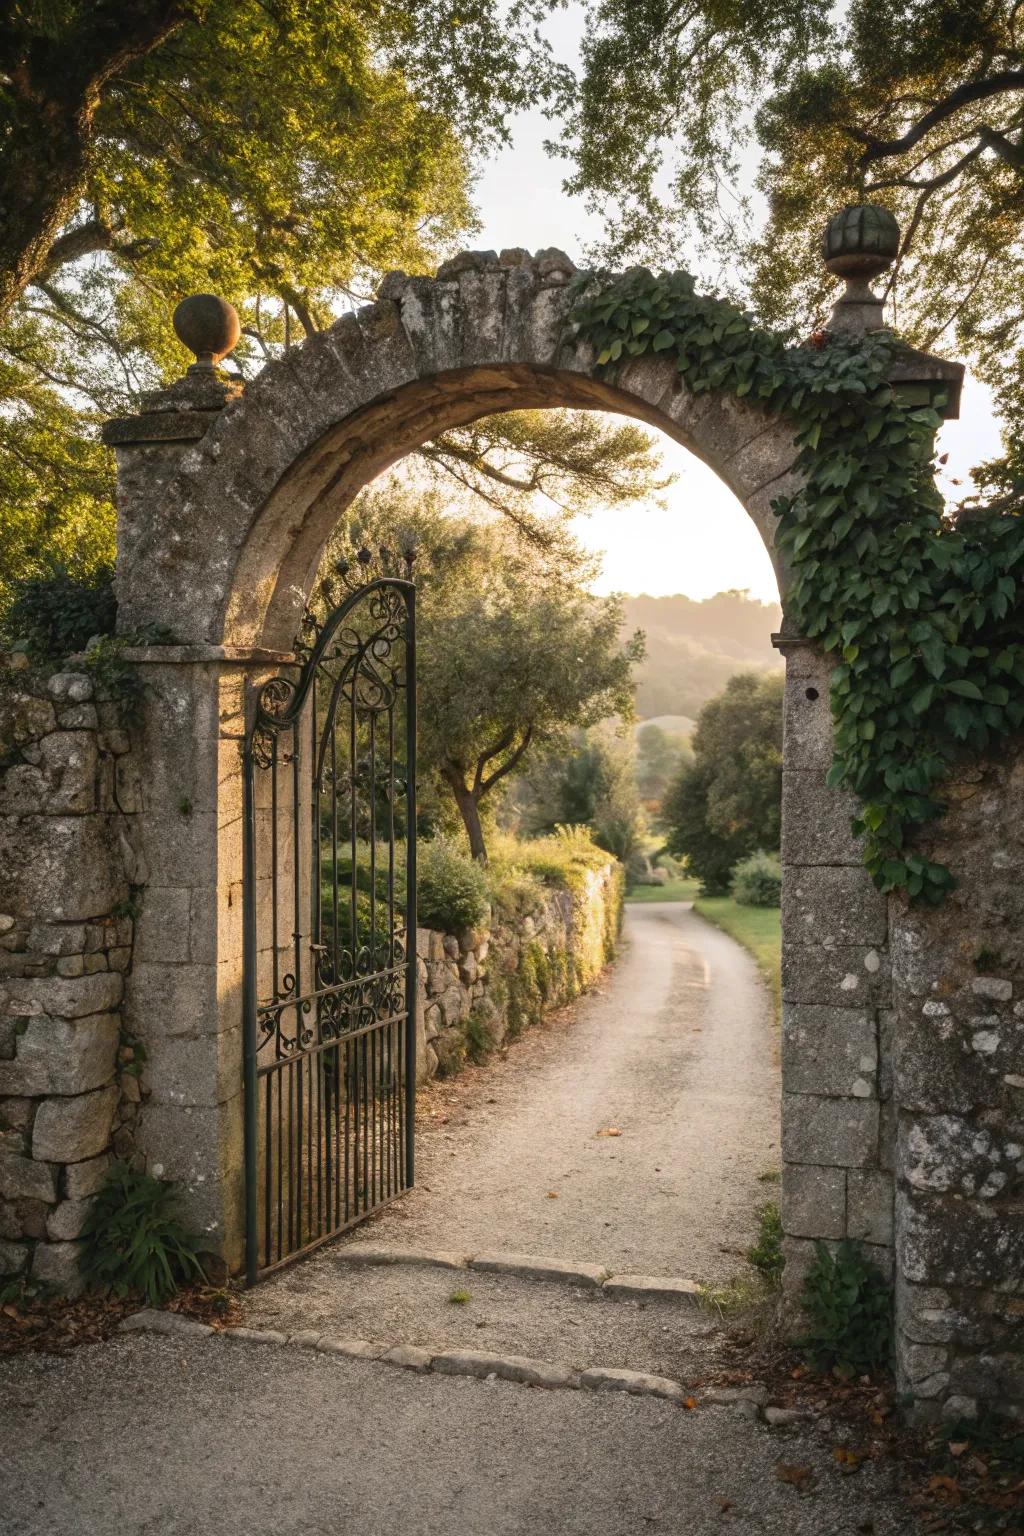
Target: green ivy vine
x=922 y=616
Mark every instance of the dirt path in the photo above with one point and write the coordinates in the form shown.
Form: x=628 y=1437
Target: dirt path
x=678 y=1051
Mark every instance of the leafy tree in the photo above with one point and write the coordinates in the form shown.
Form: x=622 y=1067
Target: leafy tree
x=280 y=152
x=280 y=145
x=727 y=803
x=659 y=757
x=590 y=782
x=513 y=652
x=917 y=104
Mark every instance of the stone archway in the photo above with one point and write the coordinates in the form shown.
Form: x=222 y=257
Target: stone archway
x=225 y=503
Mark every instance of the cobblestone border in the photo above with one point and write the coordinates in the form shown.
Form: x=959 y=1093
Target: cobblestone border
x=751 y=1401
x=527 y=1266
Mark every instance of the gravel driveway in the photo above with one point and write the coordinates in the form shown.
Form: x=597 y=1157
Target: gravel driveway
x=678 y=1050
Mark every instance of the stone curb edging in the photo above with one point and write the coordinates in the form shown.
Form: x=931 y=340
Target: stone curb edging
x=528 y=1266
x=478 y=1363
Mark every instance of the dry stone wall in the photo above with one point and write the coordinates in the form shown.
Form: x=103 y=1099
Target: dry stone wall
x=478 y=988
x=903 y=1065
x=69 y=1086
x=958 y=1086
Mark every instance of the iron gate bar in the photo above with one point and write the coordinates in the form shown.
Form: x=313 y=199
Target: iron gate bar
x=334 y=1100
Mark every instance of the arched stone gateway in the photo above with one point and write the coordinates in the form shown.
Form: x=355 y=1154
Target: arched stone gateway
x=901 y=1053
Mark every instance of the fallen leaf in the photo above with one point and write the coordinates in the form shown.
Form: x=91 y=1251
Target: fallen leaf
x=690 y=1402
x=797 y=1476
x=940 y=1483
x=552 y=1194
x=610 y=1130
x=957 y=1447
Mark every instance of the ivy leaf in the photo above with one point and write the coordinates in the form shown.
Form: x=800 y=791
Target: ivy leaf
x=966 y=690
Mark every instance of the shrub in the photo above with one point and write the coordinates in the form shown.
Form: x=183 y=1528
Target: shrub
x=134 y=1241
x=850 y=1311
x=451 y=889
x=757 y=881
x=55 y=614
x=766 y=1253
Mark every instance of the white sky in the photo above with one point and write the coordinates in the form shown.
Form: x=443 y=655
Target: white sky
x=702 y=542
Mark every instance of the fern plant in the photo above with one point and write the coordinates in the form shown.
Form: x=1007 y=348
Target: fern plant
x=134 y=1241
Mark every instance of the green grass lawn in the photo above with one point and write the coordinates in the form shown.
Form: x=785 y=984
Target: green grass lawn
x=758 y=929
x=673 y=890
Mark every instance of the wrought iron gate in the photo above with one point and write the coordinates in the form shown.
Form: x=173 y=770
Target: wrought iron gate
x=330 y=919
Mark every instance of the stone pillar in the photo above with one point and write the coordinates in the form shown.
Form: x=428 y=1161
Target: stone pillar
x=836 y=991
x=183 y=995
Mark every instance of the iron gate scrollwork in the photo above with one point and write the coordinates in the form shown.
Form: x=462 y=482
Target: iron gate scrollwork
x=330 y=919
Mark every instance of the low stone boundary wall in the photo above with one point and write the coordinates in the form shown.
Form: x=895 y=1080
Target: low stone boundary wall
x=485 y=985
x=69 y=1085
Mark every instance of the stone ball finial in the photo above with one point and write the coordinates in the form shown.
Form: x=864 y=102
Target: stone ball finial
x=208 y=326
x=861 y=241
x=859 y=244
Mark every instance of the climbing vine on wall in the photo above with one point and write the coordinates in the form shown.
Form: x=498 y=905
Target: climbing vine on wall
x=922 y=618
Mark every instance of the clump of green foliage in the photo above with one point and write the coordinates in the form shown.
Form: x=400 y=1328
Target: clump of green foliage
x=757 y=881
x=921 y=616
x=849 y=1309
x=765 y=1254
x=725 y=803
x=134 y=1241
x=477 y=1035
x=58 y=612
x=451 y=889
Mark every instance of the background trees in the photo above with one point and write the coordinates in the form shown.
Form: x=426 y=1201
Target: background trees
x=726 y=803
x=513 y=653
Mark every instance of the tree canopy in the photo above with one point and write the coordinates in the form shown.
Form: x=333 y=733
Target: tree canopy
x=282 y=153
x=727 y=802
x=689 y=118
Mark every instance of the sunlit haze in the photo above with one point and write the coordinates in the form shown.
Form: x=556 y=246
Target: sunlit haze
x=701 y=541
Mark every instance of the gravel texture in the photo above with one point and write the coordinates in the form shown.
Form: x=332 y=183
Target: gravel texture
x=150 y=1436
x=546 y=1319
x=677 y=1049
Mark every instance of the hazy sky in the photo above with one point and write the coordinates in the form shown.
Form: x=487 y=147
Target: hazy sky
x=703 y=541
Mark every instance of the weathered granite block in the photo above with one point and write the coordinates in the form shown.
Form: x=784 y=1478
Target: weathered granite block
x=56 y=1265
x=813 y=1201
x=70 y=1130
x=62 y=1055
x=829 y=1051
x=816 y=821
x=832 y=906
x=65 y=997
x=834 y=1132
x=869 y=1205
x=22 y=1178
x=949 y=1240
x=847 y=976
x=952 y=1154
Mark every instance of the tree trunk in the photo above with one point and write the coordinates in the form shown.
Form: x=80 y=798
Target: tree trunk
x=469 y=810
x=54 y=87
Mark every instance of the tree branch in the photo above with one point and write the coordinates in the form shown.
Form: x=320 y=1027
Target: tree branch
x=509 y=764
x=485 y=757
x=970 y=91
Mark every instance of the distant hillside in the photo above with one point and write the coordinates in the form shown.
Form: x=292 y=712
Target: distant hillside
x=693 y=648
